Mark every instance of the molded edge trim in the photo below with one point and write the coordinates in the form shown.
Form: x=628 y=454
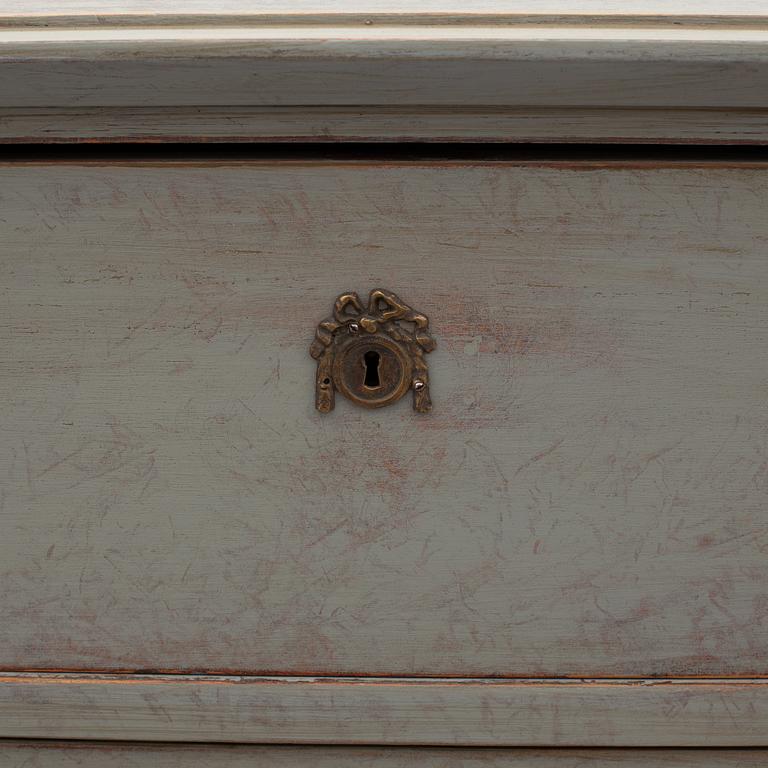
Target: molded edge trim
x=435 y=712
x=482 y=80
x=382 y=124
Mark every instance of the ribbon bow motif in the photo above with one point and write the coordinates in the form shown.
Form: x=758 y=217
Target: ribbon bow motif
x=384 y=308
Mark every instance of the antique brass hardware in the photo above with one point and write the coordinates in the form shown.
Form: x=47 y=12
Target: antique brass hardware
x=373 y=355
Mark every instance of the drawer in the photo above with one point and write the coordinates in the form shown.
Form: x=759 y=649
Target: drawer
x=586 y=498
x=584 y=502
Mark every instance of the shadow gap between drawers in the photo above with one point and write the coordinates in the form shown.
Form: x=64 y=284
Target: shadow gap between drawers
x=622 y=154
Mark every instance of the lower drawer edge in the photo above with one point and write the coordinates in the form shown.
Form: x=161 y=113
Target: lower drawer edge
x=385 y=711
x=41 y=754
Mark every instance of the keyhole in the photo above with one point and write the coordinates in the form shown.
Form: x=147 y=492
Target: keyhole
x=371 y=360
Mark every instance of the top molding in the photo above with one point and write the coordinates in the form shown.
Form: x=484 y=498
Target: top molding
x=121 y=70
x=105 y=12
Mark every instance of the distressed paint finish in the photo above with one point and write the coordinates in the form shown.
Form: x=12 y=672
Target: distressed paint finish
x=389 y=124
x=587 y=498
x=385 y=71
x=471 y=64
x=95 y=755
x=375 y=711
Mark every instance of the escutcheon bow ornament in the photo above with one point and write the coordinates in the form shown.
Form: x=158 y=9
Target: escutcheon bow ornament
x=372 y=354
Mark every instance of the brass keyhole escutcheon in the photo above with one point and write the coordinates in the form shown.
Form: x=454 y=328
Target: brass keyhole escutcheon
x=372 y=355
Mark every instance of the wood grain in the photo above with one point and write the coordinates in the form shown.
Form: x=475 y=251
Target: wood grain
x=393 y=712
x=41 y=754
x=587 y=498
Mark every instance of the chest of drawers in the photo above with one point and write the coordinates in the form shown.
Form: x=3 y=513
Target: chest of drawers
x=568 y=553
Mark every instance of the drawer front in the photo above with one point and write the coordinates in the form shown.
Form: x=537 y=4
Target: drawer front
x=586 y=498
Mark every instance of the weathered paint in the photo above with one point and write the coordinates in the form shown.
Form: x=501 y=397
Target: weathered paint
x=587 y=497
x=373 y=711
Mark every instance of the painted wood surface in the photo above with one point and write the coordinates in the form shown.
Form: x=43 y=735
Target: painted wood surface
x=425 y=66
x=387 y=124
x=66 y=75
x=95 y=755
x=705 y=11
x=669 y=713
x=587 y=498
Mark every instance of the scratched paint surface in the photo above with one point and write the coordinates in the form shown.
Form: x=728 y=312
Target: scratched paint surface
x=587 y=498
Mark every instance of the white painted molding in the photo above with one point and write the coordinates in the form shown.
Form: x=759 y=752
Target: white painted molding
x=104 y=12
